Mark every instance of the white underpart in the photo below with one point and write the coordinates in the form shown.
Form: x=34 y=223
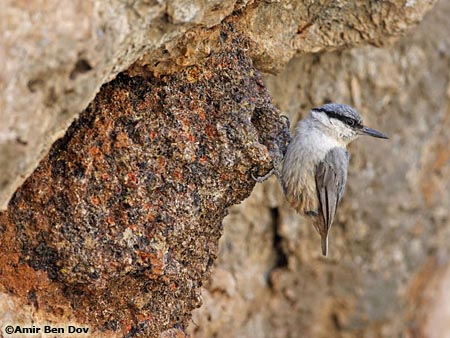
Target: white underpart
x=314 y=137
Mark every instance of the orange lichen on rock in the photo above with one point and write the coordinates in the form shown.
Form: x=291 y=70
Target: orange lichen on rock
x=134 y=195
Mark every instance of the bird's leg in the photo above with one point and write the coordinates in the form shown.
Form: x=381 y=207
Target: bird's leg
x=261 y=179
x=273 y=171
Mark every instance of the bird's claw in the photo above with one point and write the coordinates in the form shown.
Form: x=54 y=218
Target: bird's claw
x=286 y=119
x=261 y=179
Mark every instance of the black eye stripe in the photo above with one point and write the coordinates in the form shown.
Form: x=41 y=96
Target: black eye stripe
x=344 y=119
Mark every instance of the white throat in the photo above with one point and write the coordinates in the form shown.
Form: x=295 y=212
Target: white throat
x=333 y=128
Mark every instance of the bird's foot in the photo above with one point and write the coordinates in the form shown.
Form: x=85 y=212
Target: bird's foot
x=261 y=179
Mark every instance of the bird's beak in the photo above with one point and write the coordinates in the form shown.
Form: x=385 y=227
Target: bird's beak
x=373 y=133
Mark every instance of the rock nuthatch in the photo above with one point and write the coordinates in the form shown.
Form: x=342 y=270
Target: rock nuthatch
x=315 y=165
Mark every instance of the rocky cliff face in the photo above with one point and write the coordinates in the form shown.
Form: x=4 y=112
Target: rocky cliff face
x=57 y=54
x=118 y=226
x=389 y=246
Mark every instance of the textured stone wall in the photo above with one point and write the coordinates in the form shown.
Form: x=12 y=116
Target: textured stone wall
x=56 y=54
x=120 y=222
x=389 y=247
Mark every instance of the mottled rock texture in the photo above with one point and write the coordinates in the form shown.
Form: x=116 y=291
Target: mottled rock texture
x=56 y=54
x=387 y=274
x=120 y=222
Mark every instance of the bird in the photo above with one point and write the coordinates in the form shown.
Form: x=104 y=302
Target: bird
x=315 y=165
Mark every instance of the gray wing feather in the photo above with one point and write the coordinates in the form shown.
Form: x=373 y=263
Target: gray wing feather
x=331 y=176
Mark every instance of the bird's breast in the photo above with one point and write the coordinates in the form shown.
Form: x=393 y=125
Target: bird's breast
x=307 y=148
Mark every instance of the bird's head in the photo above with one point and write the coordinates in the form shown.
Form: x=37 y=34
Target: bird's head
x=342 y=122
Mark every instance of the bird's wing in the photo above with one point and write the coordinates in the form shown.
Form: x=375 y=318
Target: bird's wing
x=331 y=176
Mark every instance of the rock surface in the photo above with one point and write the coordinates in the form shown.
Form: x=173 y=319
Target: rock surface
x=118 y=226
x=389 y=252
x=57 y=54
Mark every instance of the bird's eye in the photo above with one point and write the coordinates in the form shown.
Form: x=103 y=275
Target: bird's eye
x=350 y=122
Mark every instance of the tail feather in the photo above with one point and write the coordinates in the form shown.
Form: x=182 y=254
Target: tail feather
x=324 y=245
